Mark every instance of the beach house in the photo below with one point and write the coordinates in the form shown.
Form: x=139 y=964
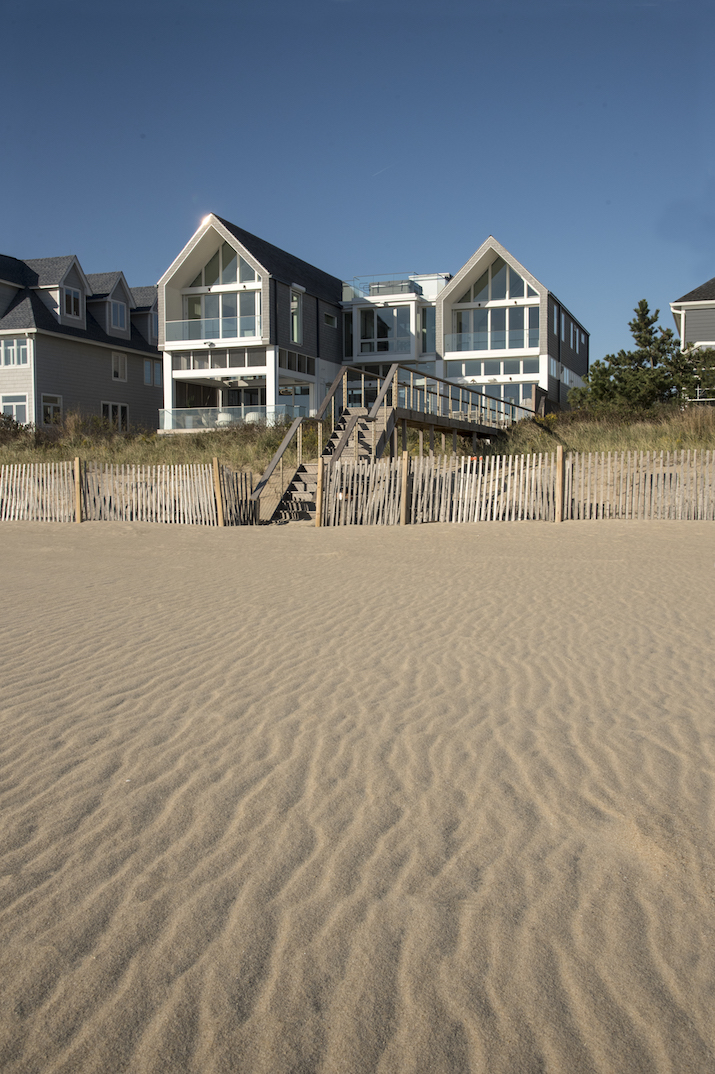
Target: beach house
x=76 y=341
x=694 y=315
x=249 y=331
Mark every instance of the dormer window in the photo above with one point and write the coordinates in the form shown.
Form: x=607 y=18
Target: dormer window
x=119 y=316
x=72 y=302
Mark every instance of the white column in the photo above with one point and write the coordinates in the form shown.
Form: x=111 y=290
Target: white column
x=271 y=377
x=169 y=388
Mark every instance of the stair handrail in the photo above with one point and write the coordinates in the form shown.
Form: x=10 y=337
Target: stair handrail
x=333 y=389
x=374 y=413
x=268 y=473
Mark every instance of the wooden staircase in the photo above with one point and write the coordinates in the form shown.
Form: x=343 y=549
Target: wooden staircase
x=299 y=499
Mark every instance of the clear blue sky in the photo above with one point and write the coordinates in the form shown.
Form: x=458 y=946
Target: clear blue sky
x=372 y=136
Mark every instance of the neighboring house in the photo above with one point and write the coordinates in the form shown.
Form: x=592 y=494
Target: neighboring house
x=76 y=342
x=247 y=330
x=694 y=316
x=492 y=325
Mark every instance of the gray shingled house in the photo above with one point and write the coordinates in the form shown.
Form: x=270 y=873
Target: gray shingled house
x=72 y=341
x=248 y=331
x=694 y=315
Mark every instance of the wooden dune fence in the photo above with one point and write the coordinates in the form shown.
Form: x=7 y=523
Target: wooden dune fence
x=193 y=494
x=511 y=488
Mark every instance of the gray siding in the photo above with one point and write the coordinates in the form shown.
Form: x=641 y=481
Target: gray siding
x=330 y=340
x=73 y=279
x=700 y=326
x=561 y=349
x=99 y=312
x=280 y=333
x=82 y=374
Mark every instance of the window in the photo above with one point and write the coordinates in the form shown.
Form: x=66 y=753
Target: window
x=554 y=368
x=51 y=409
x=226 y=266
x=117 y=414
x=533 y=327
x=331 y=320
x=498 y=281
x=228 y=315
x=296 y=317
x=119 y=366
x=385 y=329
x=13 y=352
x=119 y=316
x=72 y=302
x=563 y=327
x=15 y=406
x=556 y=320
x=152 y=372
x=301 y=363
x=427 y=329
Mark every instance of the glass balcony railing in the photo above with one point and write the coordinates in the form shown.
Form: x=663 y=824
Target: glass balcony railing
x=197 y=418
x=214 y=328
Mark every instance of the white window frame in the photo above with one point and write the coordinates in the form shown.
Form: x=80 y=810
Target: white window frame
x=12 y=349
x=120 y=308
x=119 y=366
x=122 y=419
x=54 y=401
x=10 y=403
x=74 y=295
x=296 y=316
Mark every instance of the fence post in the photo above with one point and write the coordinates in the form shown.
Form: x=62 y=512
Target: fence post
x=77 y=489
x=403 y=490
x=319 y=494
x=320 y=438
x=217 y=493
x=559 y=496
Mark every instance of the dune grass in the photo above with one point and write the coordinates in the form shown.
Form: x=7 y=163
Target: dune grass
x=251 y=447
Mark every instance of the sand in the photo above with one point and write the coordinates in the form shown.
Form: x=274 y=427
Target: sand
x=425 y=801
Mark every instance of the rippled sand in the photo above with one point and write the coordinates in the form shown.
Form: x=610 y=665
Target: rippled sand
x=425 y=801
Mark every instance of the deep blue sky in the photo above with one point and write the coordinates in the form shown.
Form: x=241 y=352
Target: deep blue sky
x=371 y=136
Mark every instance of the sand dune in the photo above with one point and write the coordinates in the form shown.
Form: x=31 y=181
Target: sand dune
x=292 y=800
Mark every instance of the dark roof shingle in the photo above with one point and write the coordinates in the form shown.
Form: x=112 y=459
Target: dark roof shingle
x=287 y=268
x=704 y=293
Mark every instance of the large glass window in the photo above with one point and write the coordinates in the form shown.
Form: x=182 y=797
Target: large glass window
x=498 y=282
x=498 y=339
x=385 y=329
x=516 y=327
x=225 y=315
x=222 y=266
x=494 y=329
x=533 y=326
x=427 y=324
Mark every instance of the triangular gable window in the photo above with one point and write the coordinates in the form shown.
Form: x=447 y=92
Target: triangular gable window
x=530 y=292
x=498 y=281
x=225 y=265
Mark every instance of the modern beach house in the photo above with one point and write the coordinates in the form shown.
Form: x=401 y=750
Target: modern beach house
x=249 y=331
x=76 y=341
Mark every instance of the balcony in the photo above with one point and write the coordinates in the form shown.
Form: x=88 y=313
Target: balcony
x=198 y=419
x=213 y=328
x=479 y=341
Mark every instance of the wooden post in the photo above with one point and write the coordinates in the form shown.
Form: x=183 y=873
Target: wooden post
x=320 y=438
x=404 y=435
x=394 y=442
x=403 y=490
x=559 y=496
x=217 y=493
x=345 y=389
x=77 y=489
x=319 y=495
x=444 y=444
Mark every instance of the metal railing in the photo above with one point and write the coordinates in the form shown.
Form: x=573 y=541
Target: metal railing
x=213 y=328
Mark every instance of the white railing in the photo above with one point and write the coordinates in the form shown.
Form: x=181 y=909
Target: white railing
x=198 y=418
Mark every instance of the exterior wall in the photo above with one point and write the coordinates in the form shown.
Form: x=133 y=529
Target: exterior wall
x=700 y=326
x=82 y=374
x=19 y=380
x=330 y=340
x=7 y=294
x=280 y=331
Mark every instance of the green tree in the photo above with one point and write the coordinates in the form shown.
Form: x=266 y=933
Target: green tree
x=655 y=372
